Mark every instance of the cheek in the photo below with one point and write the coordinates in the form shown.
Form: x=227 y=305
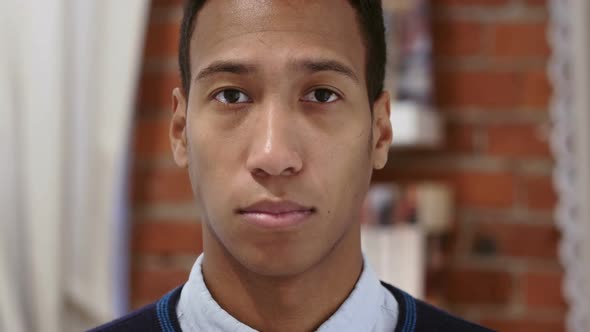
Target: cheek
x=210 y=167
x=213 y=149
x=343 y=167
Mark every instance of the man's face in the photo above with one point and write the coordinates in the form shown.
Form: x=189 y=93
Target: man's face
x=278 y=135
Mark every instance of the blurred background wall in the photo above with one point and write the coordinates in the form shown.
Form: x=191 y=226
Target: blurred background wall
x=490 y=60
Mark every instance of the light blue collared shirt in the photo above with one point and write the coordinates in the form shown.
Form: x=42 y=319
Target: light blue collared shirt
x=369 y=307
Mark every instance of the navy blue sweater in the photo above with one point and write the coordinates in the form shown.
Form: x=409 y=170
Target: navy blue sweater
x=414 y=316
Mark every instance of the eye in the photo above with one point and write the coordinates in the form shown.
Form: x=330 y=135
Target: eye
x=232 y=96
x=321 y=96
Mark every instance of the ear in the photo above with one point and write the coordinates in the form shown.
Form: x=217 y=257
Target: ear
x=382 y=132
x=178 y=137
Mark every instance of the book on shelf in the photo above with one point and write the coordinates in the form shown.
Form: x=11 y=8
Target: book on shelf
x=396 y=223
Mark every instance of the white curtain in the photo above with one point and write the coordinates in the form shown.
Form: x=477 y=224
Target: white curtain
x=569 y=69
x=68 y=73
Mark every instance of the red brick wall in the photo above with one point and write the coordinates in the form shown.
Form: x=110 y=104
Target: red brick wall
x=492 y=90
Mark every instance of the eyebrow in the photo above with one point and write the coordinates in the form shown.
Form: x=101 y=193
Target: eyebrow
x=309 y=65
x=231 y=67
x=319 y=65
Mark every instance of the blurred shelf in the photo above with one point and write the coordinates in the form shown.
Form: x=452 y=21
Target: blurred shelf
x=397 y=254
x=415 y=127
x=398 y=5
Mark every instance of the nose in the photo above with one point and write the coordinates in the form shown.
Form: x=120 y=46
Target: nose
x=273 y=149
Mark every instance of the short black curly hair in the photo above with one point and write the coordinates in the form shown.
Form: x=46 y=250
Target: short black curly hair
x=370 y=19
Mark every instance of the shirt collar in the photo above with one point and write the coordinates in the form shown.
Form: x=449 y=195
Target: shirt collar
x=198 y=311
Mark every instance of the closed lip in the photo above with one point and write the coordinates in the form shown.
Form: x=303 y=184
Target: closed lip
x=275 y=207
x=276 y=214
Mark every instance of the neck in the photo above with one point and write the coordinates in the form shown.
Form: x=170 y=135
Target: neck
x=299 y=302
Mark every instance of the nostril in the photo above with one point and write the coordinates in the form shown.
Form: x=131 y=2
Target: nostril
x=260 y=173
x=289 y=171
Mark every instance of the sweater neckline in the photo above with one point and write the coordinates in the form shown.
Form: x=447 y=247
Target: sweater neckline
x=168 y=321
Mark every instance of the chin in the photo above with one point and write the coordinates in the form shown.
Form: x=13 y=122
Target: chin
x=280 y=262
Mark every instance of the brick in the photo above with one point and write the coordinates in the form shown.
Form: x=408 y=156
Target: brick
x=161 y=185
x=408 y=174
x=148 y=285
x=151 y=138
x=521 y=141
x=473 y=189
x=520 y=39
x=167 y=238
x=540 y=192
x=536 y=90
x=460 y=137
x=484 y=190
x=477 y=88
x=542 y=290
x=475 y=286
x=155 y=90
x=537 y=2
x=162 y=40
x=496 y=89
x=524 y=324
x=138 y=304
x=519 y=240
x=457 y=38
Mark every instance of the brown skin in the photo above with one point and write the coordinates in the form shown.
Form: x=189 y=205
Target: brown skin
x=279 y=142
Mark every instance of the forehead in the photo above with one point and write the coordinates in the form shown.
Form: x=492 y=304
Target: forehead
x=271 y=31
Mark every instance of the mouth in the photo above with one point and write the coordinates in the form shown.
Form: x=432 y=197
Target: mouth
x=276 y=214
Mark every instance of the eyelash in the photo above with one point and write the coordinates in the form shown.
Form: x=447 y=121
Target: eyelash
x=334 y=93
x=216 y=96
x=220 y=92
